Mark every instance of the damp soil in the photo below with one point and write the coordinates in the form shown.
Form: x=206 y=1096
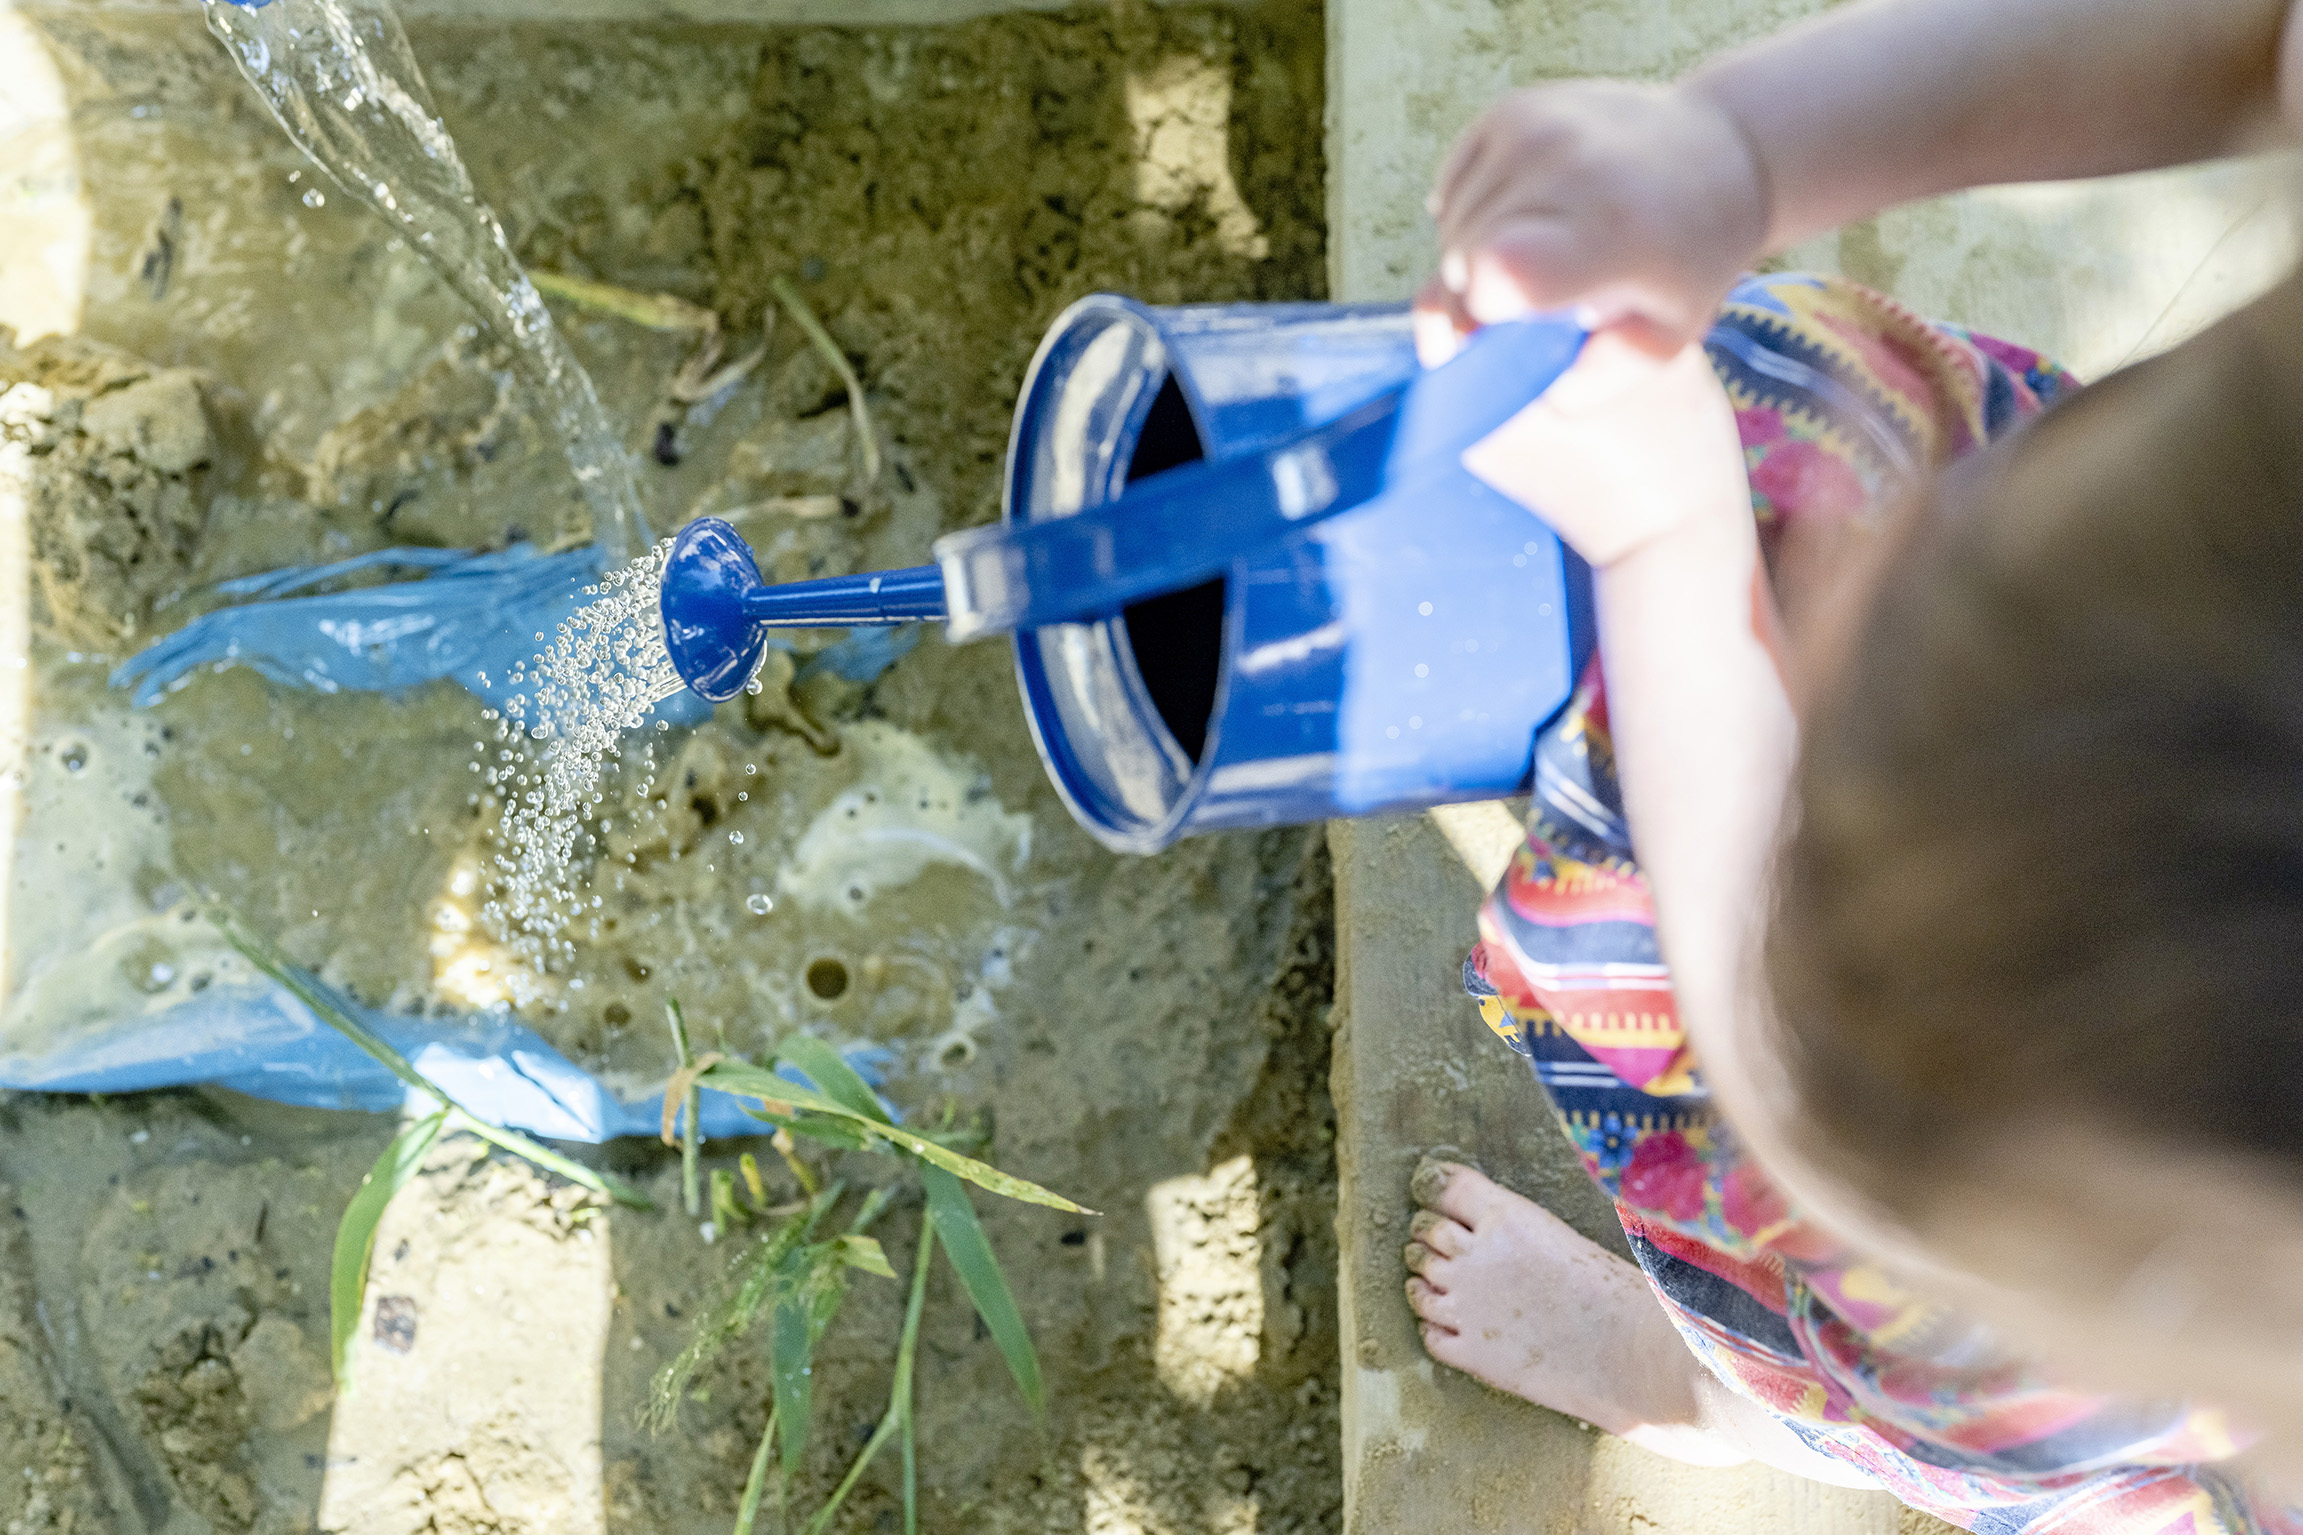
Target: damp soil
x=266 y=378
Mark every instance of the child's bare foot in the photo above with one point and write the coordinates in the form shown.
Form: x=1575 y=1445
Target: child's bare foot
x=1509 y=1293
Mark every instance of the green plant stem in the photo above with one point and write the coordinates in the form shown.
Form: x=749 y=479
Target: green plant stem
x=551 y=1161
x=656 y=311
x=899 y=1414
x=749 y=1509
x=322 y=1001
x=822 y=340
x=691 y=1140
x=906 y=1351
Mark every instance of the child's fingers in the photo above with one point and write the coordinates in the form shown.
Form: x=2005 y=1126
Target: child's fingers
x=1523 y=150
x=1480 y=158
x=1460 y=155
x=1440 y=323
x=1524 y=266
x=1504 y=188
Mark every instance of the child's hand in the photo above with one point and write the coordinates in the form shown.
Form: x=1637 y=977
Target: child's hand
x=1637 y=203
x=1628 y=446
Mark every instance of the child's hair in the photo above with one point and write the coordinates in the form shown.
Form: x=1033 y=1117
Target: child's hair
x=2047 y=855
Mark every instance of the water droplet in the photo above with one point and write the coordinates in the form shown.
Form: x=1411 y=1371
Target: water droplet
x=759 y=905
x=314 y=198
x=736 y=837
x=74 y=757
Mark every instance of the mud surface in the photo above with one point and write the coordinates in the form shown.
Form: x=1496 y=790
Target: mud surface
x=266 y=379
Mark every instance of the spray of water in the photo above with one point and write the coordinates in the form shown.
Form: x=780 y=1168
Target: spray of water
x=340 y=79
x=595 y=679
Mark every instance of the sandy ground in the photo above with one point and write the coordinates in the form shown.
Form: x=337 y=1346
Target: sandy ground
x=285 y=384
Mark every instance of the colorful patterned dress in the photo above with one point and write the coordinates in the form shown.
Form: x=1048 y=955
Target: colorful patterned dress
x=1839 y=393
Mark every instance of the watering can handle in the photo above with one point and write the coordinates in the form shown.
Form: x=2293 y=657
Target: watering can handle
x=1188 y=525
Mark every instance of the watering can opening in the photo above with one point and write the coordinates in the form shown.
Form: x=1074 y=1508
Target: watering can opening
x=1385 y=632
x=1176 y=637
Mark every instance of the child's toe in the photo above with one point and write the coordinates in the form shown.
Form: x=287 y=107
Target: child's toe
x=1435 y=1231
x=1467 y=1196
x=1430 y=1303
x=1431 y=1179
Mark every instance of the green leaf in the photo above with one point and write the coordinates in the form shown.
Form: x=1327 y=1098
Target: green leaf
x=874 y=1202
x=829 y=1070
x=862 y=1252
x=840 y=1134
x=314 y=994
x=971 y=1254
x=356 y=1235
x=746 y=1080
x=811 y=1282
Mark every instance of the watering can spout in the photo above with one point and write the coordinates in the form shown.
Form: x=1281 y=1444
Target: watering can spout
x=717 y=610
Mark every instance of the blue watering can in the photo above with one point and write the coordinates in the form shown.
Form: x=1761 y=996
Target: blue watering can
x=1250 y=582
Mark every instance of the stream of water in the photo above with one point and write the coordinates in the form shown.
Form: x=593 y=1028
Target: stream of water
x=340 y=79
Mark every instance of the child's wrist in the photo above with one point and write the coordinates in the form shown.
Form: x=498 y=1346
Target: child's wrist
x=1746 y=181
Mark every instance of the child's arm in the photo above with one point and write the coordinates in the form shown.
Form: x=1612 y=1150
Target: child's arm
x=1646 y=202
x=1635 y=461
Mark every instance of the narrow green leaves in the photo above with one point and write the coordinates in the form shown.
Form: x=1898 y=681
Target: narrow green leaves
x=356 y=1235
x=954 y=1220
x=861 y=1252
x=750 y=1081
x=829 y=1070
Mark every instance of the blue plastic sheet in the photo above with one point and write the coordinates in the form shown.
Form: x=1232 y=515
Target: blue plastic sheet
x=467 y=617
x=472 y=618
x=262 y=1041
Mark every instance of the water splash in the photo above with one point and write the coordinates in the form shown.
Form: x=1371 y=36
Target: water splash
x=596 y=678
x=338 y=76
